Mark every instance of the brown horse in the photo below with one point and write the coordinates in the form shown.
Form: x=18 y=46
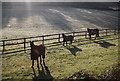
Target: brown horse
x=93 y=32
x=67 y=38
x=37 y=51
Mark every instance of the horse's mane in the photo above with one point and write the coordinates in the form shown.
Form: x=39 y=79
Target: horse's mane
x=31 y=44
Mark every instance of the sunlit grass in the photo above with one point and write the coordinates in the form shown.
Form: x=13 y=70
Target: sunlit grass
x=61 y=63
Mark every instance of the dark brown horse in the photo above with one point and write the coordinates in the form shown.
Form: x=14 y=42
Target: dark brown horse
x=67 y=38
x=37 y=51
x=93 y=32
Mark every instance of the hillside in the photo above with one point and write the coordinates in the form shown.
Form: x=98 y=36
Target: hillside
x=33 y=19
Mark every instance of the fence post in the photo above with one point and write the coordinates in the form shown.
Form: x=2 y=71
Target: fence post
x=42 y=39
x=3 y=47
x=115 y=32
x=118 y=31
x=25 y=45
x=74 y=36
x=59 y=38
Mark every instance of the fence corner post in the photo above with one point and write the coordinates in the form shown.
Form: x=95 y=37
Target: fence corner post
x=118 y=31
x=3 y=47
x=25 y=45
x=43 y=39
x=114 y=31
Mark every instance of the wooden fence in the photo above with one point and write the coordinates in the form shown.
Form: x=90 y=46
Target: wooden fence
x=22 y=44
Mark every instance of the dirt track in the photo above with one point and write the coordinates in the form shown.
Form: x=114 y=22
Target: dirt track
x=33 y=21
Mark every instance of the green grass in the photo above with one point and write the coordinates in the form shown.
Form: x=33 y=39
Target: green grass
x=93 y=56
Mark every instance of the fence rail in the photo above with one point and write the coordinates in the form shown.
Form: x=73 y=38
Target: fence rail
x=22 y=43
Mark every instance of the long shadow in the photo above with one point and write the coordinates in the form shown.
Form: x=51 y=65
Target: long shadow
x=104 y=44
x=87 y=41
x=73 y=49
x=53 y=46
x=44 y=74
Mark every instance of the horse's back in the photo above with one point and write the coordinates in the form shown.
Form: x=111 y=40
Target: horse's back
x=70 y=37
x=41 y=49
x=93 y=31
x=37 y=51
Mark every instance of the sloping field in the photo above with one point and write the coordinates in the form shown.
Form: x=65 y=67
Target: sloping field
x=26 y=21
x=94 y=57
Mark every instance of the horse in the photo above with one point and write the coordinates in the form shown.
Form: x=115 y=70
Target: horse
x=37 y=51
x=67 y=38
x=93 y=32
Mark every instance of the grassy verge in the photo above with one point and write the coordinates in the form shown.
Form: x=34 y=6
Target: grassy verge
x=95 y=57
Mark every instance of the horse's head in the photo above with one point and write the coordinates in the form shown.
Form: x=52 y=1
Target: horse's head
x=87 y=28
x=31 y=43
x=63 y=34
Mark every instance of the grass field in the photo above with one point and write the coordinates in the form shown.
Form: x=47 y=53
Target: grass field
x=21 y=21
x=94 y=57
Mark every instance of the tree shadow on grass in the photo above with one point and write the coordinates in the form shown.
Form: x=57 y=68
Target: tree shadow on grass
x=104 y=44
x=44 y=74
x=73 y=49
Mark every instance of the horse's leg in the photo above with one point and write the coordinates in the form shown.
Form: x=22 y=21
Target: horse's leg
x=63 y=43
x=37 y=63
x=71 y=41
x=90 y=36
x=40 y=60
x=43 y=57
x=98 y=34
x=95 y=36
x=32 y=63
